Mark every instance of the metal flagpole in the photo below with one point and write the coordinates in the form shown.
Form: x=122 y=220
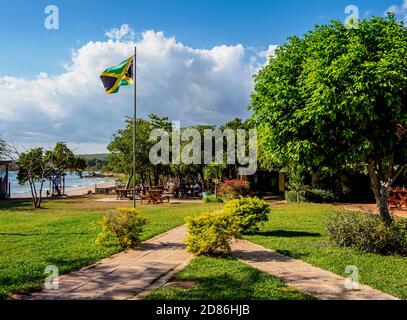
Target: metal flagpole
x=134 y=126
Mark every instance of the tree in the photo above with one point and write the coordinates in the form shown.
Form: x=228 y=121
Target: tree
x=337 y=97
x=121 y=149
x=37 y=165
x=62 y=160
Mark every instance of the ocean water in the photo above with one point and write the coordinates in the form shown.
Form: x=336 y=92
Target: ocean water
x=72 y=181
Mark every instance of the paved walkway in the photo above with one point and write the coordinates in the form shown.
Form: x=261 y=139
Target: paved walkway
x=373 y=208
x=306 y=278
x=132 y=274
x=124 y=275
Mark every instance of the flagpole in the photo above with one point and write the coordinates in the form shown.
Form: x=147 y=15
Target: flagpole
x=134 y=126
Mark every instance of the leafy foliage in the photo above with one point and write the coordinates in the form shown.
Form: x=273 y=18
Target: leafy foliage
x=210 y=232
x=248 y=213
x=368 y=233
x=123 y=227
x=36 y=165
x=233 y=189
x=212 y=199
x=337 y=97
x=310 y=195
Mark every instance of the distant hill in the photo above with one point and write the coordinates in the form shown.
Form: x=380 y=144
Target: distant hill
x=96 y=156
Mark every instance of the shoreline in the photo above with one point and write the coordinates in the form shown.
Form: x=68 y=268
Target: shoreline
x=71 y=192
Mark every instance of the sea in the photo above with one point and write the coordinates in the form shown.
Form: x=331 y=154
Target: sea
x=72 y=181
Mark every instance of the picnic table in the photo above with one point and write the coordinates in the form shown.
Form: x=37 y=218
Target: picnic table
x=123 y=193
x=155 y=196
x=397 y=198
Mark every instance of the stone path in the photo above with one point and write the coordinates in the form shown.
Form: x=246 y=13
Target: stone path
x=132 y=274
x=308 y=279
x=124 y=275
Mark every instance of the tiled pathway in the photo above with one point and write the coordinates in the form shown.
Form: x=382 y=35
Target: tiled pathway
x=124 y=275
x=132 y=274
x=314 y=281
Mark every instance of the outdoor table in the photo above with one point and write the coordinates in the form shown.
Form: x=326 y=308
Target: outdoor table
x=398 y=198
x=155 y=195
x=124 y=193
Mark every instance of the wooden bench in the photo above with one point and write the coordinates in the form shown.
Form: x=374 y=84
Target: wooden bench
x=167 y=198
x=403 y=202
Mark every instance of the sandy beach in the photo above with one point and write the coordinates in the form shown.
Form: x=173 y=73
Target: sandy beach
x=75 y=191
x=85 y=190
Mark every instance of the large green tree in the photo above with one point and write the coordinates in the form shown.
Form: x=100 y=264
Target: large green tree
x=338 y=97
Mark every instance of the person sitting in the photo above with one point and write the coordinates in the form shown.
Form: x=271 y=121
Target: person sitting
x=182 y=189
x=197 y=189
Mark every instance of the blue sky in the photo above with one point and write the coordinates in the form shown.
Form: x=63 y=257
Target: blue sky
x=195 y=64
x=29 y=48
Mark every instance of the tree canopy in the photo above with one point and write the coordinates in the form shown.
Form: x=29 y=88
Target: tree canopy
x=338 y=96
x=36 y=165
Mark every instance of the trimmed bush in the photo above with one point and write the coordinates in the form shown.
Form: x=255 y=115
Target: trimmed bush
x=212 y=199
x=122 y=227
x=310 y=195
x=234 y=189
x=210 y=232
x=368 y=233
x=248 y=213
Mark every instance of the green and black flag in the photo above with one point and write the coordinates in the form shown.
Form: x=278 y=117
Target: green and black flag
x=120 y=75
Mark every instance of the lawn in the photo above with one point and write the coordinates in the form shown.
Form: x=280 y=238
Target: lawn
x=62 y=234
x=225 y=279
x=298 y=231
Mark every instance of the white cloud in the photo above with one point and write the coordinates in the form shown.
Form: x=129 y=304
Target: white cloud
x=186 y=84
x=122 y=33
x=270 y=52
x=399 y=10
x=392 y=9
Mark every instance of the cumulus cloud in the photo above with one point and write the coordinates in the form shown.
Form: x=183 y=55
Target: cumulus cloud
x=122 y=33
x=186 y=84
x=399 y=10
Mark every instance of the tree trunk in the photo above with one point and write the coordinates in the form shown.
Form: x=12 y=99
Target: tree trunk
x=129 y=181
x=381 y=185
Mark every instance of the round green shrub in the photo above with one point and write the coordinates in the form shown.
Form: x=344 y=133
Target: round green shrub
x=368 y=233
x=212 y=199
x=122 y=227
x=310 y=195
x=210 y=232
x=248 y=213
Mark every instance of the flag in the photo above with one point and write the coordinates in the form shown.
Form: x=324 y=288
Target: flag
x=120 y=75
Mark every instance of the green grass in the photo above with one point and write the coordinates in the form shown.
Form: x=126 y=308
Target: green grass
x=62 y=235
x=298 y=231
x=226 y=279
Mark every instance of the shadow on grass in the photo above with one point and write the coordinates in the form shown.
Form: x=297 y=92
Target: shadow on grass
x=231 y=281
x=16 y=204
x=288 y=234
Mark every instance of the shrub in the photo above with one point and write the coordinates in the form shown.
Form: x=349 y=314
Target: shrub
x=368 y=233
x=310 y=195
x=123 y=227
x=210 y=232
x=233 y=189
x=248 y=213
x=293 y=196
x=212 y=199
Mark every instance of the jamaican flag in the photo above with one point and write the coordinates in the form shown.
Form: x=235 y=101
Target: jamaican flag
x=120 y=75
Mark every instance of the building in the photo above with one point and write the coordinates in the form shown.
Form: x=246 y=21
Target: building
x=4 y=183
